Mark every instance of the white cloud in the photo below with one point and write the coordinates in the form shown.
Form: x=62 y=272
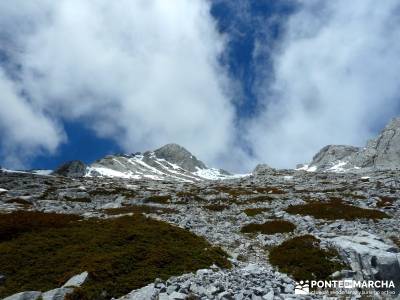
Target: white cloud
x=144 y=73
x=24 y=130
x=336 y=76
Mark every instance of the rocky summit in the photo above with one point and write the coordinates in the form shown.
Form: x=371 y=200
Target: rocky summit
x=153 y=226
x=383 y=152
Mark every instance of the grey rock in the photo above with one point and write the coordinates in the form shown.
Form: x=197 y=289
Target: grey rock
x=369 y=257
x=73 y=169
x=31 y=295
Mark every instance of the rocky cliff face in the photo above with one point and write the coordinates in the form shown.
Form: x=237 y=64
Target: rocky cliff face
x=382 y=152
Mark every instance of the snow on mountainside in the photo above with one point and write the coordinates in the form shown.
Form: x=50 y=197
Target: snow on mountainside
x=171 y=162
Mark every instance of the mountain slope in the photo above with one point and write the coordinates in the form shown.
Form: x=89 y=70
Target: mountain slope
x=172 y=162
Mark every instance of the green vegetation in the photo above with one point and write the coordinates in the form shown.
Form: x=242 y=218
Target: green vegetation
x=120 y=254
x=138 y=209
x=164 y=199
x=302 y=258
x=251 y=212
x=20 y=222
x=270 y=227
x=216 y=207
x=335 y=209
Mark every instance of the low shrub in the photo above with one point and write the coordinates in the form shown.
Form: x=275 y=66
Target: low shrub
x=120 y=254
x=20 y=222
x=335 y=209
x=270 y=227
x=302 y=258
x=251 y=212
x=160 y=199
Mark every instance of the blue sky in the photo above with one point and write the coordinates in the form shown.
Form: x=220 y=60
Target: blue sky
x=236 y=82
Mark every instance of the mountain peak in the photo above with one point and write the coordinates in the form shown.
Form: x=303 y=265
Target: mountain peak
x=178 y=155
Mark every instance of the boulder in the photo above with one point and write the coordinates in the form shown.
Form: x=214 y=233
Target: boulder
x=370 y=257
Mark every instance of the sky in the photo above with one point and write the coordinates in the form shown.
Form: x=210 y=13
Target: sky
x=235 y=82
